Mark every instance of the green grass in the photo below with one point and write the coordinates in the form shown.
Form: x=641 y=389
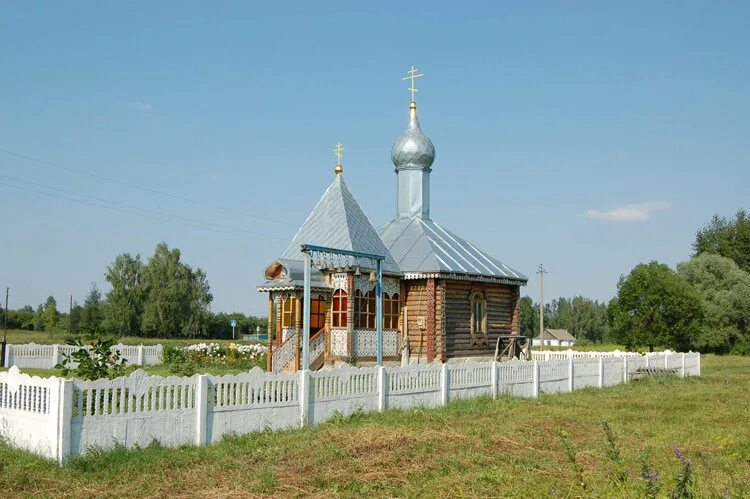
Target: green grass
x=507 y=447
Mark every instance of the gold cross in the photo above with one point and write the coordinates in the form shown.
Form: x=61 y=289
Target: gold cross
x=339 y=152
x=413 y=75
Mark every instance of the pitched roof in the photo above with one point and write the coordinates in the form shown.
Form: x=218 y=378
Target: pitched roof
x=337 y=221
x=424 y=246
x=557 y=334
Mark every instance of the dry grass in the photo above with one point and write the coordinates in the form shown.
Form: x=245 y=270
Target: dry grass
x=503 y=448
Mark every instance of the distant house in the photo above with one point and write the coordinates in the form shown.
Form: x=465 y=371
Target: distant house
x=555 y=338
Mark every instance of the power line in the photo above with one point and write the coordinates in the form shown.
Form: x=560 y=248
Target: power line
x=136 y=186
x=164 y=217
x=155 y=212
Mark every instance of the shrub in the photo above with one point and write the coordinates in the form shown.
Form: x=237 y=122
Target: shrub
x=95 y=362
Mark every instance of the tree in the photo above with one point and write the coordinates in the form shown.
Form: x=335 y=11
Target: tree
x=655 y=307
x=178 y=296
x=50 y=315
x=126 y=299
x=92 y=314
x=725 y=291
x=75 y=318
x=39 y=318
x=726 y=237
x=529 y=317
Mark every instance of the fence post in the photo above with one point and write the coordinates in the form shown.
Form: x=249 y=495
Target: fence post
x=648 y=363
x=601 y=372
x=698 y=360
x=381 y=388
x=571 y=375
x=494 y=379
x=201 y=408
x=444 y=386
x=666 y=361
x=6 y=360
x=62 y=419
x=535 y=378
x=141 y=355
x=55 y=354
x=304 y=397
x=624 y=368
x=682 y=367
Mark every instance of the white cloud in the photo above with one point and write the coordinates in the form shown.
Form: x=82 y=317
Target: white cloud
x=629 y=213
x=141 y=106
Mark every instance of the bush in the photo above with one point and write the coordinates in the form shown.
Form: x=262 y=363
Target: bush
x=95 y=362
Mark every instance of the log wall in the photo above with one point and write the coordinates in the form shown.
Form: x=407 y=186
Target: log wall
x=503 y=316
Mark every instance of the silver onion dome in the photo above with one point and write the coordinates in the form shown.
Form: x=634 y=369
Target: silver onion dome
x=413 y=150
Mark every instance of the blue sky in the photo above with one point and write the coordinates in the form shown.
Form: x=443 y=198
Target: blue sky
x=589 y=136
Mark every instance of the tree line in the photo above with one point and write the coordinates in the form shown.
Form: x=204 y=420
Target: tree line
x=163 y=297
x=703 y=304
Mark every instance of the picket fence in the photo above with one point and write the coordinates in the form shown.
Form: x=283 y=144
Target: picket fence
x=33 y=355
x=56 y=418
x=575 y=354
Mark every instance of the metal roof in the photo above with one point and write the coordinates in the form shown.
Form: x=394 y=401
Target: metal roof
x=424 y=246
x=337 y=221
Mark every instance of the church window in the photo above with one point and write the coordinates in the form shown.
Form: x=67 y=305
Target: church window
x=478 y=314
x=391 y=309
x=339 y=309
x=317 y=314
x=364 y=305
x=289 y=312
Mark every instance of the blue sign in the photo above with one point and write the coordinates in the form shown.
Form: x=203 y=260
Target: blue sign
x=233 y=323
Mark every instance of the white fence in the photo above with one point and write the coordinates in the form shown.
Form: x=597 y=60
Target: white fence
x=56 y=418
x=32 y=355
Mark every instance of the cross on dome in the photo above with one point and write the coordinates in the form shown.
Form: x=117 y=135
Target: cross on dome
x=339 y=152
x=412 y=75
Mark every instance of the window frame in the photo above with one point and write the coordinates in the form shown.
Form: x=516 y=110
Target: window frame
x=289 y=312
x=478 y=303
x=339 y=308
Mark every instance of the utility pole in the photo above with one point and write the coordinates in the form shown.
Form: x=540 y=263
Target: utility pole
x=5 y=330
x=70 y=316
x=541 y=273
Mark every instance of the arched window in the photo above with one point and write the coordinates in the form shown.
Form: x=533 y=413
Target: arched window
x=478 y=315
x=338 y=311
x=364 y=306
x=289 y=312
x=391 y=309
x=317 y=314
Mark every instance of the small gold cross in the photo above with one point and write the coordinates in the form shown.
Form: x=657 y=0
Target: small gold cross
x=339 y=152
x=413 y=74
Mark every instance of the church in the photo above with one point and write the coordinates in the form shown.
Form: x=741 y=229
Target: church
x=442 y=297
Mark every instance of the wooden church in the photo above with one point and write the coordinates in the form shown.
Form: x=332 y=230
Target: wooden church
x=443 y=298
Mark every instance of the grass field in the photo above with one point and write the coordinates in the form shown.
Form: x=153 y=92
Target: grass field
x=508 y=447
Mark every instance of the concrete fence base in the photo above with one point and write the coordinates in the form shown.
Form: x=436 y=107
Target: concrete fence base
x=56 y=417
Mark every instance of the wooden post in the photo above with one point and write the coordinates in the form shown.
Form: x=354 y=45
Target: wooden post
x=298 y=330
x=269 y=357
x=535 y=389
x=601 y=372
x=430 y=319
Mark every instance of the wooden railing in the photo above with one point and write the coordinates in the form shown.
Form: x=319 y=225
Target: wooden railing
x=284 y=354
